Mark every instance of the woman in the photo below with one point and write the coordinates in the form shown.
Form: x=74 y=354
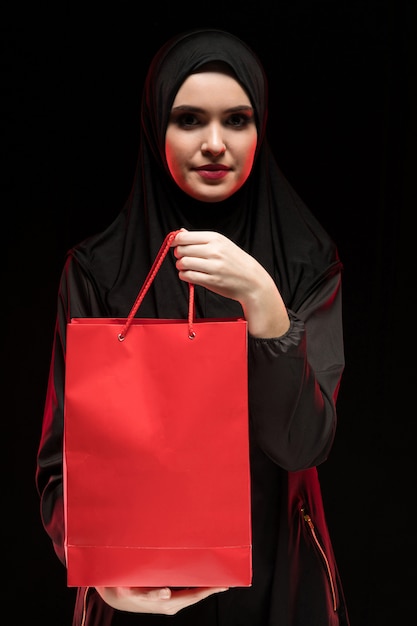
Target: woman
x=251 y=247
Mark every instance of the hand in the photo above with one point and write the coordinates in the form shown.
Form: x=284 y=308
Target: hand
x=213 y=261
x=163 y=601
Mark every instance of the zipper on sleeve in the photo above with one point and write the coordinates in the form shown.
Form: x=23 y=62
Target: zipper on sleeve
x=312 y=530
x=84 y=616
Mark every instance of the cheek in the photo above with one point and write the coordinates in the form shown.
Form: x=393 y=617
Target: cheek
x=175 y=155
x=248 y=154
x=170 y=155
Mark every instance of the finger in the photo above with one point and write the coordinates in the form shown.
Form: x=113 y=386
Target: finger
x=204 y=592
x=196 y=264
x=152 y=593
x=192 y=250
x=174 y=241
x=187 y=597
x=187 y=237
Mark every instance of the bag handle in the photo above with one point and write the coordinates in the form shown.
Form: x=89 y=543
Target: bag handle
x=163 y=251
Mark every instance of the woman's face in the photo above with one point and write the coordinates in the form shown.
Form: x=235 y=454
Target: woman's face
x=211 y=136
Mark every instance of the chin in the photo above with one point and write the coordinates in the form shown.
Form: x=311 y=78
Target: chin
x=209 y=198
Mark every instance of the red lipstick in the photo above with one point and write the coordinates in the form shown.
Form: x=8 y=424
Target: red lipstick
x=212 y=171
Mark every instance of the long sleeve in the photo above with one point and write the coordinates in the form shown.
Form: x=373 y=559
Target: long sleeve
x=294 y=382
x=76 y=298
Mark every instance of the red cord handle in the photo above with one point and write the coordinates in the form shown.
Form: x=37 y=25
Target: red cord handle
x=163 y=251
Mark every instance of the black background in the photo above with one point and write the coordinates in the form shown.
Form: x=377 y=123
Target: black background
x=342 y=122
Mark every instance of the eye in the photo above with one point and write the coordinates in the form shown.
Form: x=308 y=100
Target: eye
x=239 y=120
x=186 y=120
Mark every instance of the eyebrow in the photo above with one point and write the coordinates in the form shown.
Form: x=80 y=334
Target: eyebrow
x=235 y=109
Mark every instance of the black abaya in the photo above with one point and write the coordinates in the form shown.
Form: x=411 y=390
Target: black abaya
x=293 y=380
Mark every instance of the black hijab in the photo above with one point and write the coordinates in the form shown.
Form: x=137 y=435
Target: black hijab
x=265 y=217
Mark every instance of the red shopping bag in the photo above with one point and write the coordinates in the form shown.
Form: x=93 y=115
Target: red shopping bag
x=156 y=457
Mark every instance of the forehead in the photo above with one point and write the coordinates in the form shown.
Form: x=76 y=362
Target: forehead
x=207 y=86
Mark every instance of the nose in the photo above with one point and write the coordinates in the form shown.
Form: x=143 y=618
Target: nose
x=213 y=143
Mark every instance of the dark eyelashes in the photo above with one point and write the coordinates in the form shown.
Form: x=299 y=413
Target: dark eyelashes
x=186 y=119
x=189 y=120
x=240 y=119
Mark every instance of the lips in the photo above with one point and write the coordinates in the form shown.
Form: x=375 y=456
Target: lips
x=213 y=171
x=212 y=167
